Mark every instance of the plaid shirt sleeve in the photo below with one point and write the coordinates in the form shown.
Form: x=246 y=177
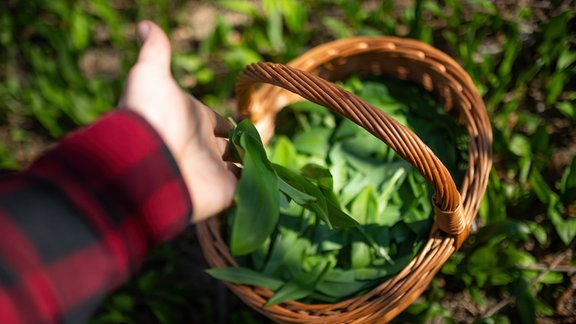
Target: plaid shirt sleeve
x=81 y=219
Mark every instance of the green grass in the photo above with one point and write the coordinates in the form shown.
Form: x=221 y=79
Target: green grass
x=62 y=64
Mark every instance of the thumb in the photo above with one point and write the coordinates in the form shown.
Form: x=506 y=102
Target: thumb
x=155 y=45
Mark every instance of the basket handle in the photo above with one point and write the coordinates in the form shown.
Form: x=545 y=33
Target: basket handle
x=446 y=199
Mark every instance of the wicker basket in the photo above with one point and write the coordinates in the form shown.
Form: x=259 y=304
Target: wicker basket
x=455 y=209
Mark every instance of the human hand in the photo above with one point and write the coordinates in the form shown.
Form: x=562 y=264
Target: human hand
x=194 y=133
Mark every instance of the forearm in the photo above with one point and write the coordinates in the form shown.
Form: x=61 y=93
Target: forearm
x=81 y=218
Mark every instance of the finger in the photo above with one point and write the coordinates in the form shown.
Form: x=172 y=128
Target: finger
x=224 y=150
x=223 y=147
x=155 y=45
x=220 y=124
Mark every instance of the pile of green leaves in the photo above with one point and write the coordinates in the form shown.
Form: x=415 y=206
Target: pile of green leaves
x=334 y=211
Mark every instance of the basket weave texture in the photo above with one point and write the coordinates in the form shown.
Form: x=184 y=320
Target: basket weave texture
x=309 y=77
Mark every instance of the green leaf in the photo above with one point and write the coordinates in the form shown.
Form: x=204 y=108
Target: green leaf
x=493 y=206
x=123 y=302
x=568 y=183
x=283 y=152
x=478 y=296
x=365 y=204
x=540 y=187
x=239 y=57
x=323 y=178
x=302 y=285
x=80 y=29
x=336 y=27
x=299 y=197
x=566 y=58
x=566 y=228
x=555 y=86
x=329 y=239
x=295 y=15
x=525 y=302
x=294 y=261
x=339 y=171
x=274 y=19
x=389 y=187
x=353 y=187
x=542 y=308
x=284 y=242
x=147 y=282
x=164 y=312
x=319 y=174
x=301 y=184
x=244 y=276
x=257 y=196
x=538 y=231
x=494 y=233
x=247 y=8
x=314 y=141
x=260 y=255
x=371 y=273
x=520 y=145
x=567 y=108
x=338 y=218
x=342 y=289
x=552 y=278
x=7 y=161
x=362 y=238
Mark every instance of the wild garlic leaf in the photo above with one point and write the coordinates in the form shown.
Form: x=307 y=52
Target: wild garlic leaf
x=381 y=272
x=363 y=206
x=341 y=283
x=257 y=197
x=283 y=152
x=284 y=242
x=338 y=218
x=300 y=183
x=323 y=178
x=568 y=183
x=245 y=276
x=314 y=142
x=327 y=239
x=302 y=285
x=321 y=175
x=298 y=196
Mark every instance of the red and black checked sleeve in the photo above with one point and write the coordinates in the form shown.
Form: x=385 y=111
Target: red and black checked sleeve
x=80 y=220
